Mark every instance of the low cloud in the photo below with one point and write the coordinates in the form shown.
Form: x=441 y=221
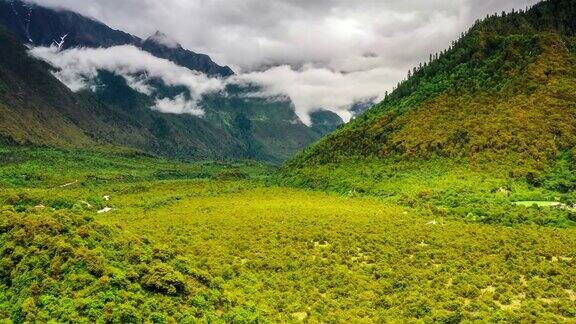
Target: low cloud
x=309 y=88
x=163 y=39
x=178 y=105
x=78 y=68
x=314 y=88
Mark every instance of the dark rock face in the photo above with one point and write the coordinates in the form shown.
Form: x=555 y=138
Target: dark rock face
x=41 y=26
x=161 y=46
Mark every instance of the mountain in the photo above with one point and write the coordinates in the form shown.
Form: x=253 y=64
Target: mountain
x=160 y=45
x=236 y=125
x=500 y=103
x=41 y=26
x=37 y=109
x=324 y=121
x=27 y=113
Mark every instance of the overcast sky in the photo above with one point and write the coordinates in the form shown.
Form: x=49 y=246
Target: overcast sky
x=321 y=40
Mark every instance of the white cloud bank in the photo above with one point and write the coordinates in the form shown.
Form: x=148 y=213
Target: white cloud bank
x=310 y=88
x=78 y=68
x=251 y=33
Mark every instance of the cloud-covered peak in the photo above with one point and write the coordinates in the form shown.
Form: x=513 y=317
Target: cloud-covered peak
x=162 y=39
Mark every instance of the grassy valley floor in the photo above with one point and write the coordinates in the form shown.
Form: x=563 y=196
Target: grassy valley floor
x=221 y=242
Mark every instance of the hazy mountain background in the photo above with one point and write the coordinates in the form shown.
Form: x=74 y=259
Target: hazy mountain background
x=234 y=122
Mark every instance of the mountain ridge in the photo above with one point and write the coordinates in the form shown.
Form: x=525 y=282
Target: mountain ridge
x=37 y=109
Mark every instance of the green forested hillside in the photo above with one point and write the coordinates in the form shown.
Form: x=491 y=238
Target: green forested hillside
x=499 y=105
x=26 y=108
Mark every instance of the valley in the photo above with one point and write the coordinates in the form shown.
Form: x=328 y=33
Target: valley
x=224 y=242
x=142 y=182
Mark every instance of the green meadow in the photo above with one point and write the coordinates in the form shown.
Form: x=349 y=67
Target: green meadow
x=123 y=237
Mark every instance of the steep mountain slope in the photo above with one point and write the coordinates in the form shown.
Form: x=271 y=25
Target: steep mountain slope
x=501 y=103
x=28 y=95
x=42 y=26
x=37 y=109
x=234 y=126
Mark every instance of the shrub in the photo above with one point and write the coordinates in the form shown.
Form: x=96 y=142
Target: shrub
x=162 y=278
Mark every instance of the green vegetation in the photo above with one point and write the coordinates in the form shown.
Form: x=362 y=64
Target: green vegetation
x=219 y=242
x=484 y=124
x=452 y=200
x=451 y=188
